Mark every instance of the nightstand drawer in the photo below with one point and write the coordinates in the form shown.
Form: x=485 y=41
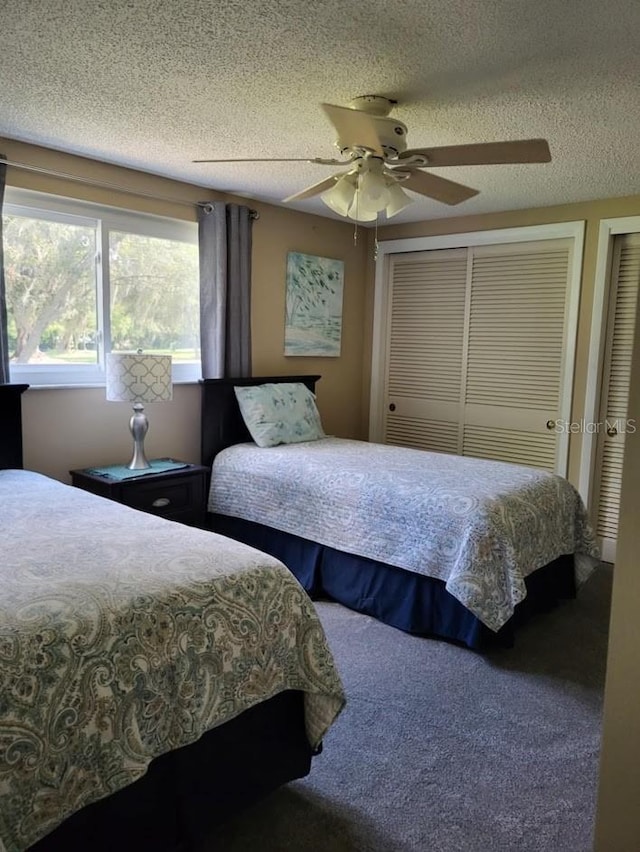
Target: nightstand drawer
x=178 y=494
x=162 y=498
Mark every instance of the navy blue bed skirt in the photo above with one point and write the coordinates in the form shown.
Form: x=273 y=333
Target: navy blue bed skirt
x=403 y=599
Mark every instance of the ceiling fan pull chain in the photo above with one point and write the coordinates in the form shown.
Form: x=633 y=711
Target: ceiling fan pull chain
x=375 y=240
x=357 y=203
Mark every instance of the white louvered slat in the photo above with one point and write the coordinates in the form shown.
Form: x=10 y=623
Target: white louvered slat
x=434 y=435
x=516 y=326
x=628 y=275
x=530 y=448
x=610 y=479
x=427 y=326
x=617 y=373
x=475 y=350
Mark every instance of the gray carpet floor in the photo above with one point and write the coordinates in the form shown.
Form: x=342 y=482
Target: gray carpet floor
x=442 y=749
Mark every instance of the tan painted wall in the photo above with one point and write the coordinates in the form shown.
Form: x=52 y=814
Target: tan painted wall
x=65 y=429
x=76 y=427
x=277 y=231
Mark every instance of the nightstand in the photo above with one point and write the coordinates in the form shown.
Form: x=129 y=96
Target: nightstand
x=179 y=494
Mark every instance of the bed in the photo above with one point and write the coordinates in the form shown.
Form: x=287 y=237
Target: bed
x=154 y=678
x=428 y=563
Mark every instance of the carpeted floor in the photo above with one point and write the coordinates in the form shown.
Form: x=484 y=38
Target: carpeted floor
x=441 y=749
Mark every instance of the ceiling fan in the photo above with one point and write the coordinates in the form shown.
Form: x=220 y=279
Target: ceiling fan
x=380 y=166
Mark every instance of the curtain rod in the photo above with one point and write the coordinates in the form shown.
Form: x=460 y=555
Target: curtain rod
x=105 y=185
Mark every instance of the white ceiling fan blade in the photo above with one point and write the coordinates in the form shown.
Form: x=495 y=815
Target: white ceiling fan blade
x=355 y=127
x=439 y=188
x=314 y=189
x=319 y=160
x=484 y=153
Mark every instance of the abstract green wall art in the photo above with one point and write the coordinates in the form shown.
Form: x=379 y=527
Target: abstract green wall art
x=313 y=320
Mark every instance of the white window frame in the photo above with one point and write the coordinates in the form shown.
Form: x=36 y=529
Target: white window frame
x=23 y=202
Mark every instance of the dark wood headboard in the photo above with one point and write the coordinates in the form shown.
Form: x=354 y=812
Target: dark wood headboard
x=11 y=425
x=220 y=419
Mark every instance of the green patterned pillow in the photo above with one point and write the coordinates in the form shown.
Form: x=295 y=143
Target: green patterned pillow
x=282 y=413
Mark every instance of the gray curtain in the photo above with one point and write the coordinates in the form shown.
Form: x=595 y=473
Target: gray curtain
x=4 y=332
x=224 y=235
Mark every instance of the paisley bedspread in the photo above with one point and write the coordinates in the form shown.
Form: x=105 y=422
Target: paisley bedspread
x=480 y=526
x=124 y=636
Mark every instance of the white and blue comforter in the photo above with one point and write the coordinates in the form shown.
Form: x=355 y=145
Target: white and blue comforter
x=124 y=636
x=480 y=526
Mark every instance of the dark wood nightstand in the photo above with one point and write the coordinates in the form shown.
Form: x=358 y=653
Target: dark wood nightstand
x=179 y=494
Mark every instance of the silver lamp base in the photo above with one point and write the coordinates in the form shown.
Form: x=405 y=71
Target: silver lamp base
x=139 y=426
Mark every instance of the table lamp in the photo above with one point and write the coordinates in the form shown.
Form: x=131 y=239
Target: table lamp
x=138 y=378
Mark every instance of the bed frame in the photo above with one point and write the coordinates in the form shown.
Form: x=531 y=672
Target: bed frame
x=222 y=423
x=401 y=598
x=11 y=425
x=176 y=806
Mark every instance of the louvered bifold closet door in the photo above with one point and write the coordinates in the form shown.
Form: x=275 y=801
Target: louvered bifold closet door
x=425 y=349
x=615 y=389
x=515 y=351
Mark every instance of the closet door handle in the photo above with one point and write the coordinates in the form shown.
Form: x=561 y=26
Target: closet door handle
x=612 y=431
x=392 y=407
x=551 y=424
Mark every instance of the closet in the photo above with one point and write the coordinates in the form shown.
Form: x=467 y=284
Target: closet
x=476 y=350
x=612 y=424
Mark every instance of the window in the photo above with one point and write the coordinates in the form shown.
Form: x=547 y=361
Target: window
x=83 y=280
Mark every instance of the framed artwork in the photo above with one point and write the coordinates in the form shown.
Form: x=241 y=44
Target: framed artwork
x=313 y=320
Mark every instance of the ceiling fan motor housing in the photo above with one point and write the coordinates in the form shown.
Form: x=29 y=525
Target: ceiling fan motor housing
x=391 y=133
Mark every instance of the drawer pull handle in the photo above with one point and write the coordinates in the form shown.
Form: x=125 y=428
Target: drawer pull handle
x=161 y=502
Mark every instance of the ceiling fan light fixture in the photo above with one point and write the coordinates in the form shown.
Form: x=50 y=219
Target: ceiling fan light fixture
x=397 y=199
x=365 y=192
x=372 y=187
x=359 y=212
x=341 y=195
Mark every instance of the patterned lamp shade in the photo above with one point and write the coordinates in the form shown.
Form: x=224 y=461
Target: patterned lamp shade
x=136 y=377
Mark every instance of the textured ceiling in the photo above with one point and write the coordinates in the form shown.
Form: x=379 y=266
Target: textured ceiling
x=153 y=84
